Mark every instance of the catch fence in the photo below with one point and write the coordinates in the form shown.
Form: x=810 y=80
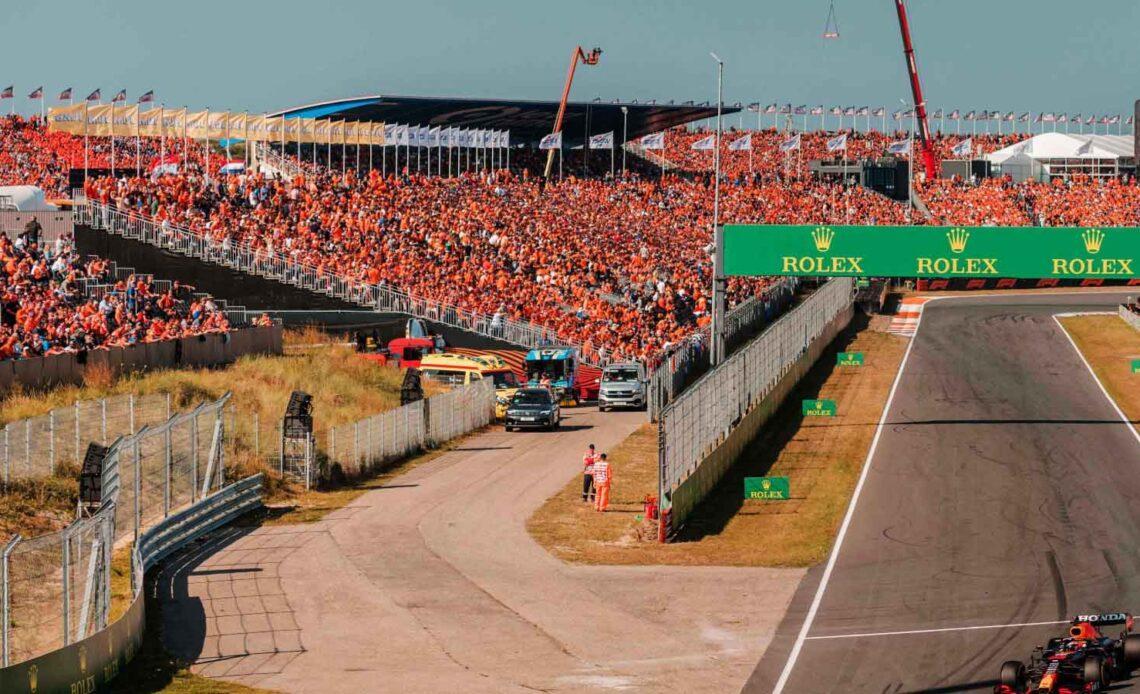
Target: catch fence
x=702 y=417
x=41 y=446
x=55 y=589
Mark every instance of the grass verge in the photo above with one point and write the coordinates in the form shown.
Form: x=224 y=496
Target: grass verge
x=822 y=456
x=1109 y=344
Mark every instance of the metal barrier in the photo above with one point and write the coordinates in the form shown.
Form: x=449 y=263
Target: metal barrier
x=280 y=267
x=702 y=417
x=688 y=361
x=39 y=446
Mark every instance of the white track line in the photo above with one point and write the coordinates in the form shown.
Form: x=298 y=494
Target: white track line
x=1111 y=401
x=936 y=631
x=799 y=644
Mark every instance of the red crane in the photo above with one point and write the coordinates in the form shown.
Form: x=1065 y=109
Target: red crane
x=590 y=58
x=916 y=90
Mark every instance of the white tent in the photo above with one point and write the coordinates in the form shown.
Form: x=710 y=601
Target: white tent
x=1057 y=154
x=24 y=199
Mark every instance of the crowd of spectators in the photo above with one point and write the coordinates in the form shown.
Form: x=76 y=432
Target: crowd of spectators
x=48 y=306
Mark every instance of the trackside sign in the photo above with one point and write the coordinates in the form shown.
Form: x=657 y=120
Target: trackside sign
x=976 y=252
x=849 y=359
x=819 y=408
x=1136 y=366
x=768 y=488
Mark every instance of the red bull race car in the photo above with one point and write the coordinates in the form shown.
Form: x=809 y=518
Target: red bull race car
x=1083 y=661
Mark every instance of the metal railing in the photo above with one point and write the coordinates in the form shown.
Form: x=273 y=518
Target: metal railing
x=40 y=446
x=701 y=418
x=279 y=267
x=284 y=165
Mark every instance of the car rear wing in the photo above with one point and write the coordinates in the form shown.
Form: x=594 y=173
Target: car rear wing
x=1105 y=619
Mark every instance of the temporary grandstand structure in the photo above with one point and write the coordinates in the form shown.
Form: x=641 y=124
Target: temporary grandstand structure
x=24 y=199
x=1058 y=155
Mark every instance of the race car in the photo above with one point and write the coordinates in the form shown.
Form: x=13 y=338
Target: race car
x=1084 y=661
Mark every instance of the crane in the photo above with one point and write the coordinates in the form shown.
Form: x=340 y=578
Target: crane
x=590 y=58
x=916 y=91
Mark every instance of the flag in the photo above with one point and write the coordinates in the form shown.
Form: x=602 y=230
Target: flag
x=786 y=109
x=770 y=108
x=849 y=111
x=1023 y=118
x=654 y=141
x=551 y=141
x=147 y=98
x=1037 y=118
x=963 y=148
x=955 y=114
x=1090 y=120
x=970 y=116
x=837 y=143
x=8 y=92
x=863 y=111
x=937 y=114
x=1062 y=118
x=166 y=165
x=896 y=115
x=837 y=110
x=800 y=110
x=95 y=95
x=879 y=112
x=1129 y=121
x=602 y=141
x=816 y=110
x=1009 y=117
x=1114 y=120
x=900 y=147
x=121 y=96
x=65 y=94
x=233 y=166
x=754 y=107
x=1048 y=118
x=705 y=143
x=37 y=93
x=741 y=144
x=1104 y=120
x=791 y=143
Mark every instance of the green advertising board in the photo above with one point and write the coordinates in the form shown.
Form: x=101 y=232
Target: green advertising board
x=849 y=359
x=768 y=488
x=976 y=252
x=1136 y=366
x=819 y=408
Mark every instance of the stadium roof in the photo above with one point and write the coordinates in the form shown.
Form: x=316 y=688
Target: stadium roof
x=528 y=121
x=1068 y=146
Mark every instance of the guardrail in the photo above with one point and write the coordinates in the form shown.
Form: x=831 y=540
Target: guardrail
x=695 y=425
x=279 y=267
x=1129 y=315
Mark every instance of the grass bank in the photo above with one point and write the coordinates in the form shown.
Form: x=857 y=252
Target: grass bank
x=1110 y=345
x=822 y=456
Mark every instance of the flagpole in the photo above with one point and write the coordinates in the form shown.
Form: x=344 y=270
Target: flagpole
x=112 y=138
x=162 y=134
x=138 y=146
x=86 y=104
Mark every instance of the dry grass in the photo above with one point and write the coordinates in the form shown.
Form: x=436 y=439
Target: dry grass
x=1110 y=345
x=38 y=506
x=823 y=457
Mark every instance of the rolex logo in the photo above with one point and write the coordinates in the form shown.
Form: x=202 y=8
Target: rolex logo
x=958 y=238
x=766 y=484
x=83 y=659
x=1093 y=239
x=819 y=404
x=822 y=237
x=33 y=678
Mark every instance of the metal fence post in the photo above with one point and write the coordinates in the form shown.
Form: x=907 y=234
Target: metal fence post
x=6 y=599
x=138 y=492
x=168 y=404
x=66 y=601
x=194 y=458
x=7 y=457
x=77 y=434
x=168 y=464
x=131 y=405
x=51 y=440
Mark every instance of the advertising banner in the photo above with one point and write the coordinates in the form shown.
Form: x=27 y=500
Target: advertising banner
x=67 y=119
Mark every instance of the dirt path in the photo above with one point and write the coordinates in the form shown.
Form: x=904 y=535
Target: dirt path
x=433 y=584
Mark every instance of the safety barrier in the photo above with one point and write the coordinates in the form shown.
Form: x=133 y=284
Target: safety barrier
x=703 y=431
x=688 y=361
x=1131 y=315
x=89 y=665
x=281 y=268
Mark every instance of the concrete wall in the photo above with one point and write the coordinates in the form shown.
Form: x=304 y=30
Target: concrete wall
x=202 y=350
x=710 y=470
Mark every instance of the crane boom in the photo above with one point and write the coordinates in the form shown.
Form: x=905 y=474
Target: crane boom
x=916 y=92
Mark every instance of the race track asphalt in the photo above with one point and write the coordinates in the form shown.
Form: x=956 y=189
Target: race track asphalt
x=1005 y=490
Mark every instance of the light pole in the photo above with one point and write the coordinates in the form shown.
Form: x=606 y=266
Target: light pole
x=717 y=328
x=909 y=171
x=624 y=130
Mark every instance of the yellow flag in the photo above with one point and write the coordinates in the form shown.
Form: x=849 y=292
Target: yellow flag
x=196 y=125
x=255 y=129
x=321 y=132
x=67 y=119
x=174 y=122
x=378 y=135
x=99 y=120
x=216 y=125
x=237 y=125
x=126 y=117
x=150 y=122
x=273 y=126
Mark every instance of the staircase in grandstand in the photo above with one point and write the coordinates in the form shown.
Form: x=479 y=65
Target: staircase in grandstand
x=652 y=157
x=278 y=267
x=274 y=162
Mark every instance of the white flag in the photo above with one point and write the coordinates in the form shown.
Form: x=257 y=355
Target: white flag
x=434 y=137
x=389 y=134
x=551 y=141
x=837 y=143
x=603 y=141
x=900 y=147
x=654 y=141
x=791 y=143
x=964 y=148
x=705 y=144
x=741 y=144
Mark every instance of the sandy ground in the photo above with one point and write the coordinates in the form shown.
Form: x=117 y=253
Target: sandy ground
x=432 y=583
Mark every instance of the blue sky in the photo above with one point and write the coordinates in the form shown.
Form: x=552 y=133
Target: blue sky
x=254 y=55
